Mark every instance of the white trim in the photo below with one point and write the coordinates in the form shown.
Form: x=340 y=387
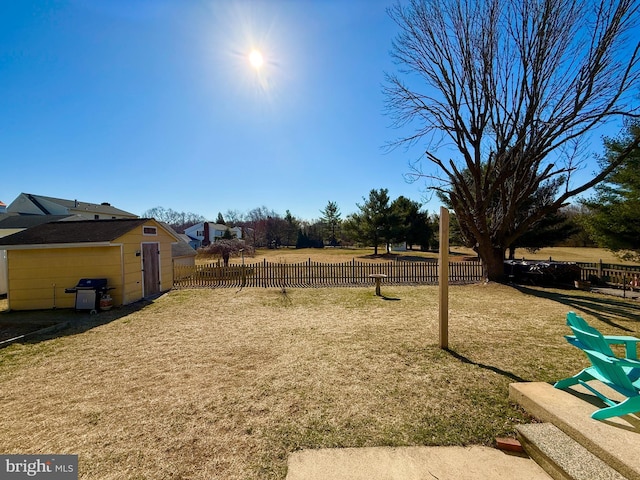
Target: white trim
x=4 y=274
x=155 y=231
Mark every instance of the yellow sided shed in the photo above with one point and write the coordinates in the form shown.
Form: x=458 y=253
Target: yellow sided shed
x=134 y=255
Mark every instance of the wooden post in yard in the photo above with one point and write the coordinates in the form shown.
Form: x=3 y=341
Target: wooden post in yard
x=443 y=278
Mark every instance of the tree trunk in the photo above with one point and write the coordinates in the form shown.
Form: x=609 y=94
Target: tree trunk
x=493 y=261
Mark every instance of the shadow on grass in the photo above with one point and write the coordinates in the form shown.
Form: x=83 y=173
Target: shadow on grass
x=604 y=309
x=390 y=299
x=491 y=368
x=399 y=257
x=34 y=326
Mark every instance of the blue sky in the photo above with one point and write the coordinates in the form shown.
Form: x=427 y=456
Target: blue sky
x=145 y=103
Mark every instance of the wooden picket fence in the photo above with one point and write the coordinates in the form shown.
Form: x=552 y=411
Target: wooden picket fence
x=612 y=274
x=316 y=274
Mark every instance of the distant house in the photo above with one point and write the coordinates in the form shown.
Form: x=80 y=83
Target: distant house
x=29 y=204
x=398 y=247
x=134 y=255
x=3 y=207
x=205 y=233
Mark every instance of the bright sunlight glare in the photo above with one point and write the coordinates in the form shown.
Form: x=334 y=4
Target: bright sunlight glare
x=256 y=59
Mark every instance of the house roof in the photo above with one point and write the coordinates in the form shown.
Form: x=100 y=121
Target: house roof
x=45 y=204
x=182 y=249
x=14 y=220
x=83 y=231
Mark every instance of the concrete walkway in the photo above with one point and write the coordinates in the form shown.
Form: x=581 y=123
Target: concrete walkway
x=617 y=292
x=570 y=443
x=412 y=463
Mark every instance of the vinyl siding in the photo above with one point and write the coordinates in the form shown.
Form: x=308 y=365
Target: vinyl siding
x=38 y=278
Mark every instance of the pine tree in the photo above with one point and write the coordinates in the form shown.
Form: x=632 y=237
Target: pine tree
x=613 y=221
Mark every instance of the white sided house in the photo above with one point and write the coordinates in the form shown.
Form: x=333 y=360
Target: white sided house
x=205 y=233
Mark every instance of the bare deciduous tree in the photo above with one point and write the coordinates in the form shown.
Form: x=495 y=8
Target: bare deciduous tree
x=225 y=248
x=177 y=220
x=505 y=93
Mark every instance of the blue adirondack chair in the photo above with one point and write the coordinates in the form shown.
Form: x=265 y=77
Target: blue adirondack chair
x=620 y=374
x=602 y=342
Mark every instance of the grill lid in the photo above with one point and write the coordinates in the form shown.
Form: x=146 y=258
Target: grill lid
x=96 y=283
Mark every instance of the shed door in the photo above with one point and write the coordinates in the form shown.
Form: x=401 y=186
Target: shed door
x=151 y=269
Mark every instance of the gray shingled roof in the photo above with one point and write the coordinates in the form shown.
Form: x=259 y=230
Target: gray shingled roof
x=96 y=208
x=182 y=249
x=84 y=231
x=13 y=220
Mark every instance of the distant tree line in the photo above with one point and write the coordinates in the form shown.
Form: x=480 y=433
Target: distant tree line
x=379 y=222
x=382 y=222
x=179 y=221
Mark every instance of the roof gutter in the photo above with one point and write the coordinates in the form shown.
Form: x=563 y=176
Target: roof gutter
x=42 y=246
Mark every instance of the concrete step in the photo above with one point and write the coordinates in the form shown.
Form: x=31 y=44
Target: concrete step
x=562 y=457
x=412 y=463
x=615 y=441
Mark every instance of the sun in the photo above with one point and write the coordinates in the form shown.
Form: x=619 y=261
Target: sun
x=256 y=59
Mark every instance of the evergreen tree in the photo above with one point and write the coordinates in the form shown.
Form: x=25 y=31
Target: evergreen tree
x=614 y=221
x=374 y=222
x=410 y=225
x=291 y=228
x=331 y=221
x=552 y=230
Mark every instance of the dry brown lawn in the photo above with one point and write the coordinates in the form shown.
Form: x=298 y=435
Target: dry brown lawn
x=573 y=254
x=335 y=255
x=224 y=384
x=324 y=255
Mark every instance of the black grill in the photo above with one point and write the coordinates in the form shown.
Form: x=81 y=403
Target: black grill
x=88 y=293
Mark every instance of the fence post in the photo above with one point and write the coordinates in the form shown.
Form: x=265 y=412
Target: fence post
x=353 y=270
x=264 y=273
x=600 y=270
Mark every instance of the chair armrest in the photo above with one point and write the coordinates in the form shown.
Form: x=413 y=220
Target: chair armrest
x=630 y=343
x=615 y=339
x=627 y=362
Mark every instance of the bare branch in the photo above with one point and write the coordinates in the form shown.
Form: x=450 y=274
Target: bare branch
x=515 y=86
